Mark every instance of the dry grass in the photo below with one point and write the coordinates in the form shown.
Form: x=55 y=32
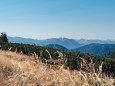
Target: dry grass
x=21 y=70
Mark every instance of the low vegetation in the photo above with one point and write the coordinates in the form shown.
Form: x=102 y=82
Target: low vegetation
x=22 y=70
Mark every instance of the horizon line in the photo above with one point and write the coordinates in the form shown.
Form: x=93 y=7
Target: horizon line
x=63 y=38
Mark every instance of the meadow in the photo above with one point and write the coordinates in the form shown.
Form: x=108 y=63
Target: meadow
x=22 y=70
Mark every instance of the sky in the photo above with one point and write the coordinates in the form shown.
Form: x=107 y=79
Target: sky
x=42 y=19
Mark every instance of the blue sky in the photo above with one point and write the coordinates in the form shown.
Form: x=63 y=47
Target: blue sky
x=41 y=19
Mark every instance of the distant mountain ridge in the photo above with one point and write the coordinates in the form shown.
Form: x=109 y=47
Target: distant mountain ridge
x=66 y=42
x=96 y=49
x=86 y=42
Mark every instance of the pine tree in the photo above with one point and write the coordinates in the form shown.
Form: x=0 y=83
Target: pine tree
x=3 y=37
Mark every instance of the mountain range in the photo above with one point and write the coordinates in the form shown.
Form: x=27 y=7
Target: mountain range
x=96 y=47
x=68 y=43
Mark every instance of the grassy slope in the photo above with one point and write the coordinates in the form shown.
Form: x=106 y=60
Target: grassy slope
x=21 y=70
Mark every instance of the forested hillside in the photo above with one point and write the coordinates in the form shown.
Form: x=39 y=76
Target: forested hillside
x=56 y=46
x=96 y=49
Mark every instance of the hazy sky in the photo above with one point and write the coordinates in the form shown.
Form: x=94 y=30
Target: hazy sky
x=41 y=19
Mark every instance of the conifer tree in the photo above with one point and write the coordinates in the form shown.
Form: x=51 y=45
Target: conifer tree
x=3 y=37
